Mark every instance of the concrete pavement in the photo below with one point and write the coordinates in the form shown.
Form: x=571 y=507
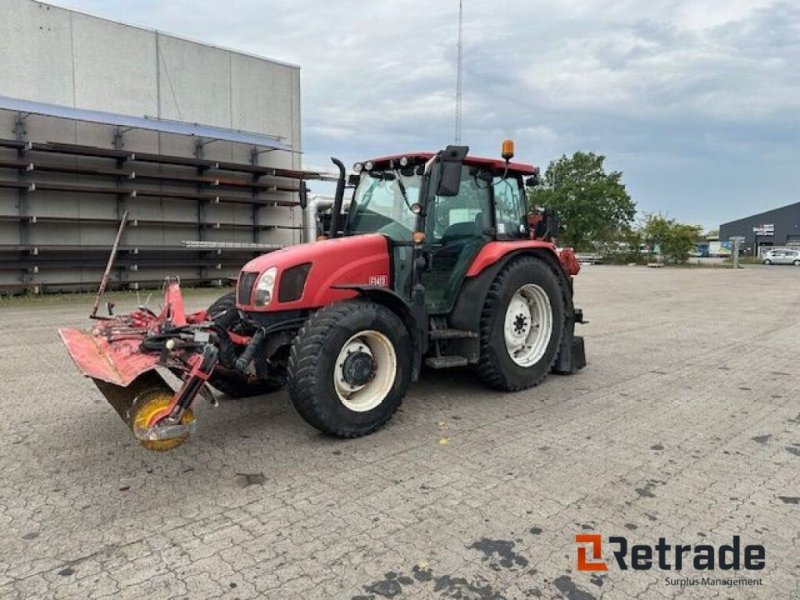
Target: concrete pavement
x=684 y=425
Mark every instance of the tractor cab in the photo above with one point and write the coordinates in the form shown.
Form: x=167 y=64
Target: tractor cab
x=484 y=201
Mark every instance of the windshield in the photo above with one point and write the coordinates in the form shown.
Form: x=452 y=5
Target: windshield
x=382 y=204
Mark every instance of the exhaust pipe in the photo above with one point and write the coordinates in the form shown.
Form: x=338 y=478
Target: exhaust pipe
x=338 y=198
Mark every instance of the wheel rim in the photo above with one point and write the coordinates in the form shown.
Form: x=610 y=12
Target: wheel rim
x=359 y=390
x=528 y=325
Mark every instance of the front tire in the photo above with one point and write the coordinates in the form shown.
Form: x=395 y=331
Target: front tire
x=767 y=261
x=521 y=326
x=349 y=368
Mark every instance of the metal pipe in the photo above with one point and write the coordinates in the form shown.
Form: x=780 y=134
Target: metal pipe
x=315 y=203
x=338 y=198
x=112 y=257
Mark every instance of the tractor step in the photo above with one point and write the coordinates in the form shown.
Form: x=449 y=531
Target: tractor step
x=451 y=334
x=446 y=362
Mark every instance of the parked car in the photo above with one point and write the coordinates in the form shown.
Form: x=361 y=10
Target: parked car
x=782 y=257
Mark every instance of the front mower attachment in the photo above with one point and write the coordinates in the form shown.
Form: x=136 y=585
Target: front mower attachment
x=121 y=354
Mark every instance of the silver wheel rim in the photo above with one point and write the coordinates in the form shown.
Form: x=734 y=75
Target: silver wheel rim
x=528 y=325
x=363 y=398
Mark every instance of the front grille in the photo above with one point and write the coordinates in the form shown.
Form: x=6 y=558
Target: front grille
x=244 y=290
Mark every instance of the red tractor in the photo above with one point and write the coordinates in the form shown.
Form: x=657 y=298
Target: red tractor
x=434 y=262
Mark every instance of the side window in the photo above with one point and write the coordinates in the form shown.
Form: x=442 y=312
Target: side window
x=463 y=216
x=508 y=207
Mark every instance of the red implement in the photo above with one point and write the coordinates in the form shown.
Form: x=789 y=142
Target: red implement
x=119 y=361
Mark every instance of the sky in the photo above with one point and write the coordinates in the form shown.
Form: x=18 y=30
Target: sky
x=697 y=102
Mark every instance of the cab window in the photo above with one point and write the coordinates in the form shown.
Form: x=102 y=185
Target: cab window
x=509 y=208
x=462 y=216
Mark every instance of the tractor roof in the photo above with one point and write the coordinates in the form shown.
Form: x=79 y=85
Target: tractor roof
x=495 y=164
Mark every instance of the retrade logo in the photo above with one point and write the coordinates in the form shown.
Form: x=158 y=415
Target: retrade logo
x=668 y=557
x=596 y=542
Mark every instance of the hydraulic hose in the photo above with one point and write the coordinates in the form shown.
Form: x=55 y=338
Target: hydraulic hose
x=249 y=353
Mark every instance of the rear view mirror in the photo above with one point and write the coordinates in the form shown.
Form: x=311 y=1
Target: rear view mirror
x=451 y=160
x=353 y=179
x=533 y=180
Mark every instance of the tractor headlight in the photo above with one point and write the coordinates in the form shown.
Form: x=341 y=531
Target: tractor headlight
x=265 y=286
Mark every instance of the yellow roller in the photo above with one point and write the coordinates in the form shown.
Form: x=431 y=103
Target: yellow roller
x=146 y=407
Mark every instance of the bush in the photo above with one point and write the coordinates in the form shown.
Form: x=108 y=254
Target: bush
x=675 y=240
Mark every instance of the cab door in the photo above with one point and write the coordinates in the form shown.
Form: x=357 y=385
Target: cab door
x=457 y=227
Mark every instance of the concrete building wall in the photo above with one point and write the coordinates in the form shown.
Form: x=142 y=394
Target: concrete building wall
x=54 y=55
x=57 y=56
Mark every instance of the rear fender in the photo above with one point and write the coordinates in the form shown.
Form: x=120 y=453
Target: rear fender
x=494 y=252
x=466 y=313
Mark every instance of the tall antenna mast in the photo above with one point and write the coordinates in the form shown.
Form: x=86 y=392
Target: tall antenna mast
x=459 y=69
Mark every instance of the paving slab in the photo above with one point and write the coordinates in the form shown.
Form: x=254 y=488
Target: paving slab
x=684 y=425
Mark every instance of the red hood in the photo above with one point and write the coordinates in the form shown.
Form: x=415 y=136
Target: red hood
x=359 y=260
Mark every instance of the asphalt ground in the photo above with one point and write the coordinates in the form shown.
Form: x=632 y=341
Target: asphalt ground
x=685 y=425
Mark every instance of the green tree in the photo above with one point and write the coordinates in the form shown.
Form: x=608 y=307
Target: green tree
x=593 y=205
x=674 y=240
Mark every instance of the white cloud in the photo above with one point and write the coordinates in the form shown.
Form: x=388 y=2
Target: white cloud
x=645 y=83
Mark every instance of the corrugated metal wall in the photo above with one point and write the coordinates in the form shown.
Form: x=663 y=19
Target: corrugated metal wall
x=54 y=238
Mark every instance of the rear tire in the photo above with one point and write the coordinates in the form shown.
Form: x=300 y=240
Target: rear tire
x=521 y=325
x=231 y=382
x=343 y=396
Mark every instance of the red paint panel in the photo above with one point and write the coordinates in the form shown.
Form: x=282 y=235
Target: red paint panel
x=569 y=261
x=494 y=251
x=357 y=260
x=118 y=363
x=491 y=163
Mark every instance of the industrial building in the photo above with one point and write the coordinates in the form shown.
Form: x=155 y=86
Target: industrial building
x=199 y=145
x=775 y=228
